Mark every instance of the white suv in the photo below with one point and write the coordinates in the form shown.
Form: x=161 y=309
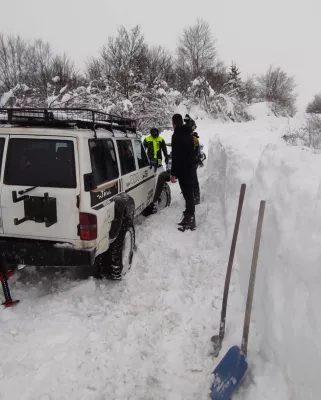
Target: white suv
x=72 y=181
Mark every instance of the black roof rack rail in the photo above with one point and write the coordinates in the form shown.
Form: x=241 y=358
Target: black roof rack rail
x=68 y=118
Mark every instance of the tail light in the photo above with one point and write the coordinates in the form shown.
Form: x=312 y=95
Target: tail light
x=87 y=226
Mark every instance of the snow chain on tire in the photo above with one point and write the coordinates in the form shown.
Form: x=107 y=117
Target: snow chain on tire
x=111 y=263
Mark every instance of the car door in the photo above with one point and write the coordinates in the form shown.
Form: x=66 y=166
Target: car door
x=131 y=178
x=147 y=174
x=40 y=188
x=3 y=146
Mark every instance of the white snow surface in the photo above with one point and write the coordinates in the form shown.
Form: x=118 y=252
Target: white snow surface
x=5 y=97
x=148 y=336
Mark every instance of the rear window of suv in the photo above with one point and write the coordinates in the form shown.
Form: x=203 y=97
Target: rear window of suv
x=103 y=160
x=40 y=162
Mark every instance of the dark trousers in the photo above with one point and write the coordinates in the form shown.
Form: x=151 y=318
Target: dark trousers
x=195 y=184
x=186 y=185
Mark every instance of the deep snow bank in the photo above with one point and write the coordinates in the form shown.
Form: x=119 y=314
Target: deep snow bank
x=287 y=297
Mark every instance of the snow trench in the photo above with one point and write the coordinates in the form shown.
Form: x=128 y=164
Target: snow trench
x=286 y=326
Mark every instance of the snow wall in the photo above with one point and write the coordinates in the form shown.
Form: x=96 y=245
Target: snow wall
x=286 y=309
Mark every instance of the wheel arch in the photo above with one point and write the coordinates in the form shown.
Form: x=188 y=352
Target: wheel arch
x=124 y=209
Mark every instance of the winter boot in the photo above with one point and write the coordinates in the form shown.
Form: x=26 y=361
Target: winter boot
x=183 y=221
x=190 y=224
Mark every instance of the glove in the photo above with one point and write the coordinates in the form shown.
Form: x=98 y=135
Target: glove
x=166 y=160
x=173 y=179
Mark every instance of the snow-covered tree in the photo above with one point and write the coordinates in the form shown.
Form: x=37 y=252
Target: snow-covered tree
x=314 y=107
x=124 y=59
x=197 y=48
x=219 y=105
x=196 y=54
x=277 y=87
x=128 y=78
x=250 y=87
x=234 y=87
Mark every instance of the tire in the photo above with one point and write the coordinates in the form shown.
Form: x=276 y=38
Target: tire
x=117 y=260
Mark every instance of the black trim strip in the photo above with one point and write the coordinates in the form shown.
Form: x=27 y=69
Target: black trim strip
x=138 y=184
x=111 y=199
x=101 y=205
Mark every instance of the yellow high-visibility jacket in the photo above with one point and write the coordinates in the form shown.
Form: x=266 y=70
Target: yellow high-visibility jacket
x=155 y=147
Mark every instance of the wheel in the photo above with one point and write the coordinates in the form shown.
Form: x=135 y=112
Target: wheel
x=117 y=260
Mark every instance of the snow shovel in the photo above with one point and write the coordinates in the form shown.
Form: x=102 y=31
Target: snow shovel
x=233 y=366
x=217 y=339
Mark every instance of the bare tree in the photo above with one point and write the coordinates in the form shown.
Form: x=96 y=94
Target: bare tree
x=315 y=106
x=41 y=66
x=14 y=54
x=34 y=65
x=196 y=50
x=277 y=87
x=250 y=88
x=217 y=77
x=160 y=66
x=65 y=68
x=308 y=134
x=93 y=70
x=124 y=59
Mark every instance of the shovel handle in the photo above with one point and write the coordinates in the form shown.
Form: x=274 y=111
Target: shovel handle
x=230 y=261
x=250 y=292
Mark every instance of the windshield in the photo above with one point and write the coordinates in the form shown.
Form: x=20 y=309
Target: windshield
x=40 y=162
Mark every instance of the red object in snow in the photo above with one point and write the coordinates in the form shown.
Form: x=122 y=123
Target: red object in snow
x=4 y=276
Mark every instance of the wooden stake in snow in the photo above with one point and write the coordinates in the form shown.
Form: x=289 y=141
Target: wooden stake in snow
x=217 y=339
x=233 y=366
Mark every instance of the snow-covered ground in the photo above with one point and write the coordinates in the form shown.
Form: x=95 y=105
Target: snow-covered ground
x=148 y=337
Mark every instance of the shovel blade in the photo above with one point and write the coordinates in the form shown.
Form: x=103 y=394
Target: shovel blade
x=228 y=374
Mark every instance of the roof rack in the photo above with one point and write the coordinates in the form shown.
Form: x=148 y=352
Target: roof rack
x=68 y=118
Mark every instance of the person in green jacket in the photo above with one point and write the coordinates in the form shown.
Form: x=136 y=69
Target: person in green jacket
x=155 y=145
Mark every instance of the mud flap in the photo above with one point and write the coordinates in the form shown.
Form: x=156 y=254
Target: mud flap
x=123 y=204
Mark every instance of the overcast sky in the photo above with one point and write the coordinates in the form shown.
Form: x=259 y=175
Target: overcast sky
x=253 y=33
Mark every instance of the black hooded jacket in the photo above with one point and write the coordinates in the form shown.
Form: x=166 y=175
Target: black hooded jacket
x=183 y=159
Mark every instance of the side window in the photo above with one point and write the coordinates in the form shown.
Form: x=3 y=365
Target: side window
x=2 y=142
x=141 y=155
x=126 y=156
x=103 y=161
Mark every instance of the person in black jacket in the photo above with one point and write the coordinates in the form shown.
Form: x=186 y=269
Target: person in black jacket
x=183 y=162
x=196 y=187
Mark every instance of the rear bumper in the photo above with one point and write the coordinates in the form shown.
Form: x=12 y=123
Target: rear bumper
x=43 y=253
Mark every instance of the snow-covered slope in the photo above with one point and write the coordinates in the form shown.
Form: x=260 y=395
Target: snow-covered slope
x=148 y=337
x=286 y=303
